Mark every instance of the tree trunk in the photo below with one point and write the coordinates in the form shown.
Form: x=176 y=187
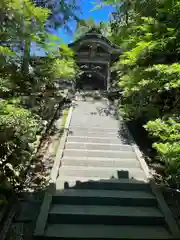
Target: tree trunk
x=26 y=57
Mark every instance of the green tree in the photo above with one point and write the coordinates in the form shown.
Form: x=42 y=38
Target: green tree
x=25 y=94
x=62 y=12
x=83 y=26
x=149 y=72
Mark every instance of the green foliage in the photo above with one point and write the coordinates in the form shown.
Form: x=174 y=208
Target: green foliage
x=28 y=86
x=167 y=136
x=18 y=128
x=149 y=71
x=64 y=69
x=83 y=26
x=62 y=12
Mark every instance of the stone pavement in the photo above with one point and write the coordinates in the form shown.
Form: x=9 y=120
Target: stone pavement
x=102 y=190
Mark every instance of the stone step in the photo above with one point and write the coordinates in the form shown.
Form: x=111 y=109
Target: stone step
x=96 y=127
x=101 y=191
x=93 y=128
x=104 y=197
x=100 y=162
x=98 y=146
x=93 y=116
x=99 y=153
x=87 y=108
x=102 y=184
x=105 y=173
x=99 y=111
x=95 y=124
x=99 y=232
x=91 y=133
x=113 y=215
x=103 y=121
x=94 y=113
x=103 y=140
x=90 y=124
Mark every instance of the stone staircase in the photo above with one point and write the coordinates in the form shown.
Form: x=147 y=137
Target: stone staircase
x=102 y=190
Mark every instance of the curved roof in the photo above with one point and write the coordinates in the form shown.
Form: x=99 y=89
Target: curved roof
x=96 y=34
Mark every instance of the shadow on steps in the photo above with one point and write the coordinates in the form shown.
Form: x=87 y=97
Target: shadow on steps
x=112 y=208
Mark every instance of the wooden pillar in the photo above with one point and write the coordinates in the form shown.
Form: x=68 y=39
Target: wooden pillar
x=108 y=76
x=93 y=50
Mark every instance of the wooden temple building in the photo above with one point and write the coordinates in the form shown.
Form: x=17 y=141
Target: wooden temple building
x=94 y=55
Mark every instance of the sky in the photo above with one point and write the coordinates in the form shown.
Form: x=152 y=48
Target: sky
x=98 y=16
x=87 y=6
